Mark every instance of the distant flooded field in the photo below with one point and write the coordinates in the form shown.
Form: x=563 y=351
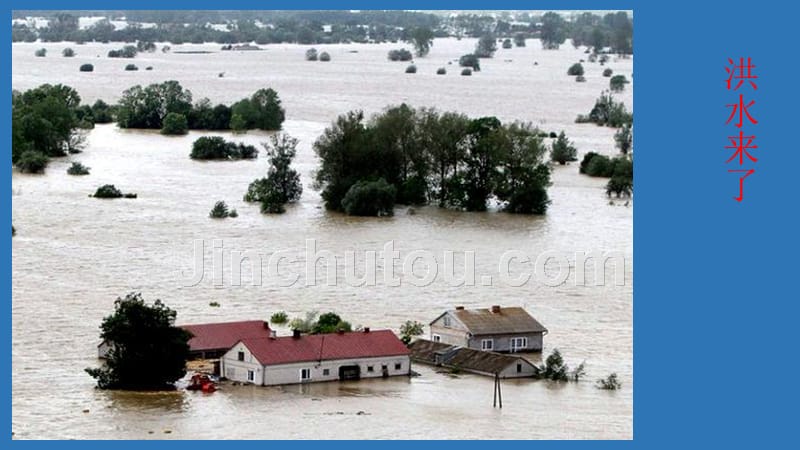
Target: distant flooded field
x=73 y=255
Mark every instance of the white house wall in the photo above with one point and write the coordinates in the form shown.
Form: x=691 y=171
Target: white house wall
x=235 y=370
x=290 y=373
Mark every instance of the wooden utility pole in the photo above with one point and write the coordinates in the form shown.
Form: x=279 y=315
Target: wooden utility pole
x=498 y=394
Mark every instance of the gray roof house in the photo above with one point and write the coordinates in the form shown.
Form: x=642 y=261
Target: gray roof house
x=469 y=360
x=496 y=329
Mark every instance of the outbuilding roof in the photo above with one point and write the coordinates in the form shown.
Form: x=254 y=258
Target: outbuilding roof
x=321 y=347
x=224 y=335
x=472 y=360
x=497 y=320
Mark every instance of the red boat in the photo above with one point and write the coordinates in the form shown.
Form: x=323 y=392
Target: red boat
x=201 y=382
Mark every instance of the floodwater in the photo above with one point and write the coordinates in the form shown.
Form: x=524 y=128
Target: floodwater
x=73 y=255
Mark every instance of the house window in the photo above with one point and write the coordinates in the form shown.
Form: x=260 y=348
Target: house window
x=398 y=366
x=251 y=376
x=241 y=356
x=437 y=338
x=447 y=321
x=519 y=368
x=518 y=343
x=326 y=372
x=487 y=344
x=305 y=374
x=370 y=369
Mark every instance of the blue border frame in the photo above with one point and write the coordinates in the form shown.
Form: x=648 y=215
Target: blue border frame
x=714 y=320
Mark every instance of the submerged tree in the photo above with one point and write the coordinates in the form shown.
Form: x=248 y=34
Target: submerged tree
x=562 y=150
x=282 y=183
x=409 y=330
x=147 y=350
x=486 y=46
x=422 y=40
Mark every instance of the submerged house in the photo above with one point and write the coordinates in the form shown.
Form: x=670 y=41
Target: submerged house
x=508 y=329
x=323 y=357
x=470 y=360
x=212 y=340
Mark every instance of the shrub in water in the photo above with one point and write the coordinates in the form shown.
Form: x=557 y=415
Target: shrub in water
x=470 y=61
x=77 y=169
x=441 y=71
x=86 y=68
x=607 y=72
x=466 y=72
x=580 y=79
x=617 y=83
x=131 y=67
x=107 y=191
x=370 y=198
x=175 y=124
x=411 y=69
x=311 y=54
x=68 y=52
x=32 y=161
x=324 y=56
x=41 y=53
x=400 y=55
x=220 y=211
x=575 y=69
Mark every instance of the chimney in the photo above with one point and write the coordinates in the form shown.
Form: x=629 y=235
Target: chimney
x=266 y=325
x=273 y=334
x=340 y=331
x=366 y=329
x=296 y=334
x=459 y=308
x=496 y=309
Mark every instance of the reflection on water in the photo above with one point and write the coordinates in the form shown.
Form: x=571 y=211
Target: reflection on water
x=74 y=255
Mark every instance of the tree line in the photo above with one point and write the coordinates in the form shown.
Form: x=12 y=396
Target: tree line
x=420 y=156
x=49 y=120
x=612 y=30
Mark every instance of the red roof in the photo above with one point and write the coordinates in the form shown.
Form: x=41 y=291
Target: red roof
x=285 y=350
x=223 y=336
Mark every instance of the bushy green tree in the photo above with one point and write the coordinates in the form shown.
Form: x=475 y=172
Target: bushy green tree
x=370 y=198
x=147 y=107
x=102 y=112
x=262 y=110
x=32 y=161
x=330 y=322
x=86 y=68
x=608 y=112
x=68 y=52
x=411 y=69
x=486 y=46
x=175 y=124
x=108 y=191
x=617 y=83
x=147 y=350
x=41 y=53
x=44 y=120
x=282 y=183
x=324 y=57
x=507 y=43
x=216 y=147
x=221 y=211
x=554 y=31
x=471 y=60
x=575 y=69
x=409 y=330
x=422 y=40
x=562 y=150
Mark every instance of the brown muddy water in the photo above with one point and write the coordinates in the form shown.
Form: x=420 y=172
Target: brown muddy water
x=73 y=255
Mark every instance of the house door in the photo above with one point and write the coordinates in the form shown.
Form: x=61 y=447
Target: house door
x=349 y=372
